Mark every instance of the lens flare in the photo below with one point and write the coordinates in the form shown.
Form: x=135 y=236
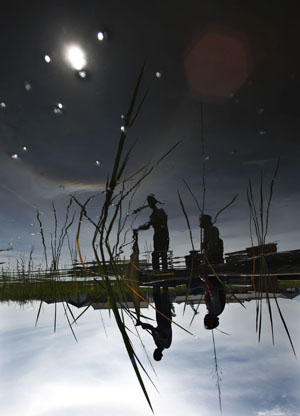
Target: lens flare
x=76 y=57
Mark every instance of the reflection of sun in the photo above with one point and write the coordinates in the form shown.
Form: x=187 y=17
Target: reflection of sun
x=76 y=57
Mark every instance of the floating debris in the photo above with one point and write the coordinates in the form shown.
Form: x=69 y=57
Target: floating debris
x=260 y=111
x=98 y=163
x=123 y=129
x=2 y=105
x=158 y=74
x=24 y=148
x=14 y=156
x=263 y=132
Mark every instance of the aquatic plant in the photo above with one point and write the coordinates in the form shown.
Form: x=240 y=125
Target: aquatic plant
x=259 y=218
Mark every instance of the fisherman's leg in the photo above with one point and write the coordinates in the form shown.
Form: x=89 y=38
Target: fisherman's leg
x=164 y=260
x=156 y=296
x=155 y=260
x=166 y=304
x=157 y=302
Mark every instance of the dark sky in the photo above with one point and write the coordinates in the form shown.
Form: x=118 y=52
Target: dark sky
x=238 y=61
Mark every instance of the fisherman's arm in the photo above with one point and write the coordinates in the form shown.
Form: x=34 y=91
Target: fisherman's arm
x=145 y=326
x=145 y=226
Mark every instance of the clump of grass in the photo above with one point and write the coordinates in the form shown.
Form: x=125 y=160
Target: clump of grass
x=259 y=218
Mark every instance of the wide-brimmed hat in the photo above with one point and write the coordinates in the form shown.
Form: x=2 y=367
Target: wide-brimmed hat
x=151 y=199
x=206 y=219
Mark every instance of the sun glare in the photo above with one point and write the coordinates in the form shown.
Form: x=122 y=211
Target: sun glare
x=76 y=57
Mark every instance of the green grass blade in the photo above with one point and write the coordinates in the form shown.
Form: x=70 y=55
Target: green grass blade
x=285 y=327
x=226 y=206
x=38 y=314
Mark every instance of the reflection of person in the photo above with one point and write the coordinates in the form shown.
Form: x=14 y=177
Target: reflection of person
x=212 y=244
x=215 y=299
x=159 y=221
x=162 y=334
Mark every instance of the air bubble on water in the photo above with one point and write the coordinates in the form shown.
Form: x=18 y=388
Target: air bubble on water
x=27 y=86
x=123 y=129
x=260 y=111
x=98 y=163
x=47 y=59
x=2 y=104
x=15 y=156
x=263 y=132
x=158 y=74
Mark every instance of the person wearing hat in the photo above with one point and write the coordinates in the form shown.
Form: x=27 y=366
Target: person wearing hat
x=212 y=245
x=159 y=222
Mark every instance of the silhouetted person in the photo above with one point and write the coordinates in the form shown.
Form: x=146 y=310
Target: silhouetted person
x=159 y=222
x=215 y=300
x=212 y=245
x=162 y=334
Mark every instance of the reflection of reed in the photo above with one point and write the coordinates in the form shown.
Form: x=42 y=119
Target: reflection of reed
x=217 y=373
x=263 y=282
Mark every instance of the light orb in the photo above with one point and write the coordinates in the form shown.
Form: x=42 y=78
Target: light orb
x=47 y=59
x=76 y=57
x=100 y=36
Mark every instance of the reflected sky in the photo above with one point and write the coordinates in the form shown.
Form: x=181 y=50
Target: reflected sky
x=240 y=62
x=50 y=374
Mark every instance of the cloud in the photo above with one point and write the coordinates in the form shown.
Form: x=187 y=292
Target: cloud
x=277 y=411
